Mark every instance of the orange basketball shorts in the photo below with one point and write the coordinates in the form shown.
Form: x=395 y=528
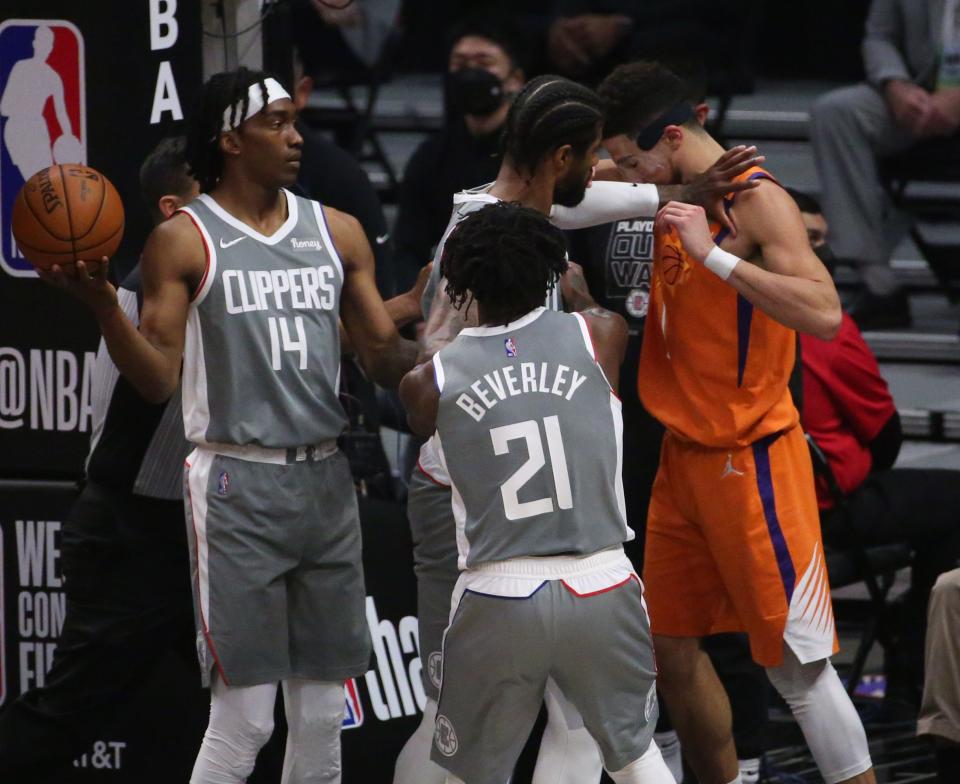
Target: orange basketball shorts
x=733 y=544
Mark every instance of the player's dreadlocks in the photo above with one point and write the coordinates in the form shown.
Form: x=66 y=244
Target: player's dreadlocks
x=504 y=256
x=550 y=111
x=222 y=90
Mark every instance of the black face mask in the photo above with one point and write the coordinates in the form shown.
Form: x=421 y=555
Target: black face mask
x=825 y=254
x=474 y=91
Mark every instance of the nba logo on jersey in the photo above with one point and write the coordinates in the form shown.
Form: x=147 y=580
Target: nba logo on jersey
x=510 y=346
x=223 y=483
x=353 y=716
x=42 y=112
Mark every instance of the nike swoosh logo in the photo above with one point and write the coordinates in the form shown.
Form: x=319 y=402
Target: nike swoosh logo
x=232 y=242
x=382 y=238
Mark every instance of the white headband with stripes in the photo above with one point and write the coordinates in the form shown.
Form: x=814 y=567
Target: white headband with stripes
x=255 y=103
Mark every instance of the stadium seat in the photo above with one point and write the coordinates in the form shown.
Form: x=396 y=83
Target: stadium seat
x=874 y=566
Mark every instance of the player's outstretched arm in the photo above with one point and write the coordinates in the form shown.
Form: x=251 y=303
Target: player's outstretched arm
x=607 y=201
x=788 y=282
x=385 y=356
x=403 y=309
x=171 y=267
x=420 y=398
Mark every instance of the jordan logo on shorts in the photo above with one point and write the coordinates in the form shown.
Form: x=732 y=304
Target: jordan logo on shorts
x=728 y=469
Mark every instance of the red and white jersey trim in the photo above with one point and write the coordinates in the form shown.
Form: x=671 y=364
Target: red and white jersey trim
x=519 y=578
x=431 y=462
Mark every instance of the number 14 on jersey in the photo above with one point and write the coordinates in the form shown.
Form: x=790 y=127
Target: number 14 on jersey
x=281 y=339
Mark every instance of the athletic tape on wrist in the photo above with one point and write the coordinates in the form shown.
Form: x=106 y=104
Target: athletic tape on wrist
x=255 y=103
x=720 y=263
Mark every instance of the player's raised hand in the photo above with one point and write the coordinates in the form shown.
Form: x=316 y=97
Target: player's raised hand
x=708 y=189
x=690 y=222
x=85 y=280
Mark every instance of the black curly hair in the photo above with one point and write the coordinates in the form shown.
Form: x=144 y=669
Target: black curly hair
x=222 y=90
x=548 y=112
x=636 y=93
x=506 y=257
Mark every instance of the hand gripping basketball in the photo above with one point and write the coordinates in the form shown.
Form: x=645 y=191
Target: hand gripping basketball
x=65 y=213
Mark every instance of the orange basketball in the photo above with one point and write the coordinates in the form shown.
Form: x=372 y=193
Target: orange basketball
x=65 y=213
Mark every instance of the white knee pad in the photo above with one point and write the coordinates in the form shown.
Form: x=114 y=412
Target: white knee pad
x=649 y=768
x=826 y=716
x=314 y=711
x=241 y=722
x=568 y=754
x=414 y=765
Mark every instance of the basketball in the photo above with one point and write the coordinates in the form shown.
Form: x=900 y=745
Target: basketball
x=66 y=213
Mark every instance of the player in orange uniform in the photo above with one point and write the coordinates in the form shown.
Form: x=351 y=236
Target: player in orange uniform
x=733 y=534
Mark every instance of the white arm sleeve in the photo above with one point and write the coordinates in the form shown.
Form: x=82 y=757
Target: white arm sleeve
x=607 y=201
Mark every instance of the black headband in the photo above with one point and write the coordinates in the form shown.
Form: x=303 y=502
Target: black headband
x=677 y=114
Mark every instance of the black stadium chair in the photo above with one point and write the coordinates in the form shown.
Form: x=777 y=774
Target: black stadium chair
x=874 y=566
x=934 y=162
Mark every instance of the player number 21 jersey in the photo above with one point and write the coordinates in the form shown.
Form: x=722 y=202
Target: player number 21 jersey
x=532 y=438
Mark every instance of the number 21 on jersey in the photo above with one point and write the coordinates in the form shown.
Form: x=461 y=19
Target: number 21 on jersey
x=529 y=431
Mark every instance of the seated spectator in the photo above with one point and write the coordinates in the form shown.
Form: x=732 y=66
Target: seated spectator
x=849 y=412
x=940 y=710
x=484 y=74
x=911 y=54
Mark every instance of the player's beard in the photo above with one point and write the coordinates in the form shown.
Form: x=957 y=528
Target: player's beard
x=570 y=193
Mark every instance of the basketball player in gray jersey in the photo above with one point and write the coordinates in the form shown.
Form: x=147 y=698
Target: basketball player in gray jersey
x=550 y=152
x=531 y=436
x=246 y=285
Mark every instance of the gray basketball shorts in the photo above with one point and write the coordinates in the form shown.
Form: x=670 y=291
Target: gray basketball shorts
x=434 y=533
x=276 y=567
x=498 y=653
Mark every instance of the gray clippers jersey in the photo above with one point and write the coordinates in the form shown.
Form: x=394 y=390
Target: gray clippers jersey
x=532 y=435
x=465 y=203
x=262 y=354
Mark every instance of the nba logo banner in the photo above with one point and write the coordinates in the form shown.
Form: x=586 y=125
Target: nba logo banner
x=353 y=716
x=42 y=113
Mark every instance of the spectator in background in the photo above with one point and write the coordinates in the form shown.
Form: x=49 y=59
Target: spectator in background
x=849 y=412
x=484 y=73
x=911 y=54
x=940 y=711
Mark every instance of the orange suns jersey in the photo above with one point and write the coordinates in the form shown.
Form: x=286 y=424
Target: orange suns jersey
x=713 y=369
